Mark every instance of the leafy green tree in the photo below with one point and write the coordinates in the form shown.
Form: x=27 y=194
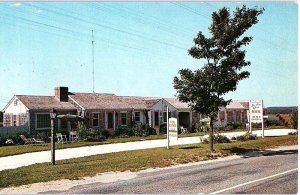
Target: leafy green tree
x=295 y=119
x=224 y=58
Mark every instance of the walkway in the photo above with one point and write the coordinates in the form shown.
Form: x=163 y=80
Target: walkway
x=15 y=161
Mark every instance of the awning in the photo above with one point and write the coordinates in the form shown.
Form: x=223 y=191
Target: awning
x=70 y=116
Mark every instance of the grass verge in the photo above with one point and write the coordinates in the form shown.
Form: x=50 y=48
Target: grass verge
x=21 y=149
x=132 y=160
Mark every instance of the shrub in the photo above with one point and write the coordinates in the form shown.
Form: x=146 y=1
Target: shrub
x=105 y=133
x=246 y=137
x=228 y=127
x=147 y=130
x=205 y=141
x=163 y=128
x=221 y=139
x=97 y=138
x=2 y=141
x=83 y=132
x=217 y=139
x=221 y=129
x=43 y=136
x=293 y=133
x=129 y=131
x=119 y=131
x=152 y=131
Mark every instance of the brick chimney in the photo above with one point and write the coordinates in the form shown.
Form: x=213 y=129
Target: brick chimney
x=61 y=93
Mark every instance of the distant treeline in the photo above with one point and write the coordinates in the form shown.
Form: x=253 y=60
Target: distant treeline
x=281 y=110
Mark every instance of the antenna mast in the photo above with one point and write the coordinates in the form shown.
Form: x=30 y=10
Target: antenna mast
x=93 y=60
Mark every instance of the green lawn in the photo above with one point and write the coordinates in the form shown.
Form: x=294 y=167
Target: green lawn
x=20 y=149
x=132 y=160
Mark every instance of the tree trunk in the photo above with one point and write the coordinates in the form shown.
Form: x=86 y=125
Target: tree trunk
x=211 y=135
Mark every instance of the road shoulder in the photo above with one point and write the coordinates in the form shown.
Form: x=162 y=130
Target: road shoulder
x=62 y=185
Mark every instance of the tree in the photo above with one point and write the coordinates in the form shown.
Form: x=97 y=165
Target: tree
x=224 y=58
x=295 y=119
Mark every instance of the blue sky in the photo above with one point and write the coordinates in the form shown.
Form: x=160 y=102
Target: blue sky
x=139 y=48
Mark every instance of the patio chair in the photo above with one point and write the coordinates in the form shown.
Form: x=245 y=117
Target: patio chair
x=61 y=138
x=74 y=136
x=183 y=130
x=38 y=141
x=27 y=140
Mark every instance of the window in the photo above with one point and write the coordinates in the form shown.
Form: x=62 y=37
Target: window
x=137 y=116
x=95 y=119
x=8 y=120
x=22 y=119
x=123 y=117
x=43 y=121
x=15 y=102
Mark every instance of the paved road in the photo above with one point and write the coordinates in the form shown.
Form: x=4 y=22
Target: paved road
x=15 y=161
x=255 y=173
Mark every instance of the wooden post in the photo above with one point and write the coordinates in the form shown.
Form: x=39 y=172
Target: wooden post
x=211 y=135
x=52 y=143
x=262 y=118
x=168 y=136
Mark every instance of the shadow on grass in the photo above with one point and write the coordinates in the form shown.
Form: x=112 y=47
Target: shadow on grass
x=189 y=147
x=248 y=153
x=240 y=151
x=281 y=152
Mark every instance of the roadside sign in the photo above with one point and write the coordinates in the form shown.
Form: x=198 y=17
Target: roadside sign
x=173 y=128
x=256 y=114
x=256 y=111
x=173 y=131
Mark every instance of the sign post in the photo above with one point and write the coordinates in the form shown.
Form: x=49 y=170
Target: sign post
x=168 y=136
x=256 y=113
x=262 y=120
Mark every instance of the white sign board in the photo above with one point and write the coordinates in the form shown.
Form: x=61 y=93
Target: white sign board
x=256 y=111
x=173 y=129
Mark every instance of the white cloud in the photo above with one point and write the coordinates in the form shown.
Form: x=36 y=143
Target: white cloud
x=16 y=4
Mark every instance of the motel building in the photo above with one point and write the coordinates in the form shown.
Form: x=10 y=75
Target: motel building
x=109 y=111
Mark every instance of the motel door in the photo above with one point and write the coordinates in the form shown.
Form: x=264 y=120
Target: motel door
x=110 y=120
x=116 y=120
x=156 y=119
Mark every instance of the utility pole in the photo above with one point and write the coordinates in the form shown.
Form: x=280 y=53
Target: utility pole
x=93 y=60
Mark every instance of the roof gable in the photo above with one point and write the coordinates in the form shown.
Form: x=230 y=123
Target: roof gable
x=11 y=101
x=177 y=104
x=236 y=104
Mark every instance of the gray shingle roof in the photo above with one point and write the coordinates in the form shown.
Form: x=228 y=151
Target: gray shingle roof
x=114 y=102
x=111 y=101
x=44 y=103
